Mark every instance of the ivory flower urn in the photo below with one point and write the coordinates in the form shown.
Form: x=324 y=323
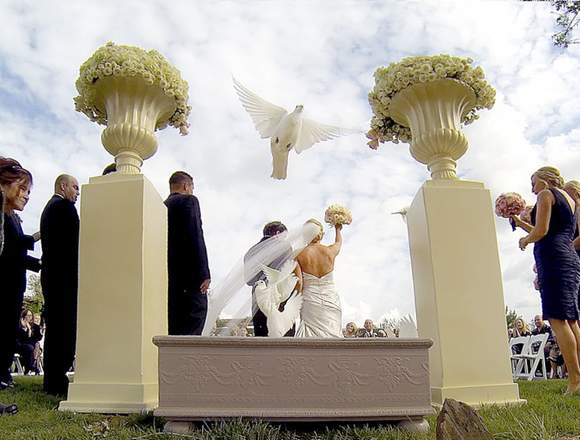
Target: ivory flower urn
x=133 y=108
x=434 y=111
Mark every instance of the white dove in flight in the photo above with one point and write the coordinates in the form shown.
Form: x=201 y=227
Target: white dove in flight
x=285 y=130
x=407 y=327
x=269 y=296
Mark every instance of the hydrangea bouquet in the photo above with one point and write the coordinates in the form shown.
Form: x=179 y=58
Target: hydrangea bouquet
x=130 y=61
x=337 y=215
x=421 y=69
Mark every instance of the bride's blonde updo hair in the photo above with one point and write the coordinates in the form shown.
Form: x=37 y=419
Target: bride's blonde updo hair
x=320 y=234
x=572 y=187
x=550 y=175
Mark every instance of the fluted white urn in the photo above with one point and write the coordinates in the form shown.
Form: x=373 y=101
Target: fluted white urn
x=134 y=108
x=434 y=111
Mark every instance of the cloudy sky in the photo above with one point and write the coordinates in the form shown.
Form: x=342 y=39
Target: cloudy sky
x=322 y=55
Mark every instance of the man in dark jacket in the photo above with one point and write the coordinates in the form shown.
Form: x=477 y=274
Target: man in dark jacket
x=59 y=229
x=188 y=270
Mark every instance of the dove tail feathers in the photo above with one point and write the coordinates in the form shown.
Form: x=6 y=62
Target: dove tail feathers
x=279 y=164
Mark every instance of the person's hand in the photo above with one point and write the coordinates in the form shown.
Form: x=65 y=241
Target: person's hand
x=36 y=236
x=205 y=286
x=523 y=243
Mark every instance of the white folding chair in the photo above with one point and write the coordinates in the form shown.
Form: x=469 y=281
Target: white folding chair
x=17 y=365
x=517 y=360
x=534 y=357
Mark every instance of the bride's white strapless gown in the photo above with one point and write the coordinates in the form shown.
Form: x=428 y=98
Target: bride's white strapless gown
x=321 y=315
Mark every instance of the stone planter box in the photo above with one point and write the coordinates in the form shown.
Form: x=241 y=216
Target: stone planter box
x=291 y=379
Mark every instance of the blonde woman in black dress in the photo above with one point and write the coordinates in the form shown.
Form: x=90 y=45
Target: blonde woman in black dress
x=554 y=221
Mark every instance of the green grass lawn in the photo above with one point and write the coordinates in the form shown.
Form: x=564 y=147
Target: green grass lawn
x=548 y=415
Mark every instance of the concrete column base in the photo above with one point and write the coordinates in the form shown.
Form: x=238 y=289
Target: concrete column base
x=459 y=292
x=122 y=296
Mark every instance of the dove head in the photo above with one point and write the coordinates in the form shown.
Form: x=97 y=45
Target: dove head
x=299 y=108
x=260 y=285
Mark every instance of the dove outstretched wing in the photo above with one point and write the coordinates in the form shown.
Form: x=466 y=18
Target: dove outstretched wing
x=407 y=327
x=313 y=132
x=265 y=115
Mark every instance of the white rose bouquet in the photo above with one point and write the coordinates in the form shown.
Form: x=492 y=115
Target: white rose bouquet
x=421 y=69
x=130 y=61
x=337 y=215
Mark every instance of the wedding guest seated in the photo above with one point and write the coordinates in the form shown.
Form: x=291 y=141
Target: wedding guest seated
x=520 y=329
x=26 y=339
x=350 y=330
x=369 y=331
x=556 y=360
x=540 y=328
x=38 y=327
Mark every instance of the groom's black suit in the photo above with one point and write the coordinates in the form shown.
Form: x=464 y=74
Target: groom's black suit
x=59 y=230
x=187 y=265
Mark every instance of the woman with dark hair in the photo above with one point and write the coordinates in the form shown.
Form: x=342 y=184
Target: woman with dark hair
x=27 y=335
x=15 y=184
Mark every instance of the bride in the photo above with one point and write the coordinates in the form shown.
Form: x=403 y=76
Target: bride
x=321 y=314
x=319 y=304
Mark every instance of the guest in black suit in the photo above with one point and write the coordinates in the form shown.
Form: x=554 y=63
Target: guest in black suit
x=59 y=227
x=15 y=184
x=259 y=320
x=188 y=270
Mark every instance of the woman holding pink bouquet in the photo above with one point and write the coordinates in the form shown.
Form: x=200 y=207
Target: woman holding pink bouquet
x=554 y=221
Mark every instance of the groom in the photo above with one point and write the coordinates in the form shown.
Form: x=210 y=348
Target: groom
x=259 y=319
x=188 y=269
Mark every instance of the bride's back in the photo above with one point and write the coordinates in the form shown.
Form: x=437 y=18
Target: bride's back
x=317 y=259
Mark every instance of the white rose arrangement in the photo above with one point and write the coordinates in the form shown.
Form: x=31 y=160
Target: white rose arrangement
x=421 y=69
x=130 y=61
x=337 y=215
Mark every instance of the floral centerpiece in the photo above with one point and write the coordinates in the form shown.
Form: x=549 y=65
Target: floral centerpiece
x=120 y=61
x=391 y=80
x=337 y=215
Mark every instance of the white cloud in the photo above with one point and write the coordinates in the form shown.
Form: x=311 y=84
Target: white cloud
x=320 y=54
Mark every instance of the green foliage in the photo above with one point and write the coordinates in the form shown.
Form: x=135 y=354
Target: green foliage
x=33 y=300
x=511 y=316
x=547 y=416
x=567 y=19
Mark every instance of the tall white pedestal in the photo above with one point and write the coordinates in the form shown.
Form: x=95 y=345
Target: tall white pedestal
x=122 y=296
x=459 y=292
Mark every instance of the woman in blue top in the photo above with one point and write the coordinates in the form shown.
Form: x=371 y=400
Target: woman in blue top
x=553 y=224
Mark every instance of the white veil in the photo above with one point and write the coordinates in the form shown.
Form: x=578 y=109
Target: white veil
x=280 y=248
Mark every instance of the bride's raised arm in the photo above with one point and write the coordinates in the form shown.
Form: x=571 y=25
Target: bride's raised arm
x=335 y=248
